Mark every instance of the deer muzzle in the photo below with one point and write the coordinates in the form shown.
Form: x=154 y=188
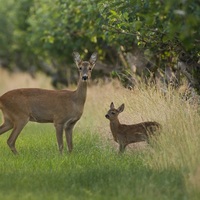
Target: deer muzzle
x=84 y=77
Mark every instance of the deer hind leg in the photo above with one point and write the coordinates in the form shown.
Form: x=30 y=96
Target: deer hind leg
x=59 y=136
x=6 y=126
x=18 y=126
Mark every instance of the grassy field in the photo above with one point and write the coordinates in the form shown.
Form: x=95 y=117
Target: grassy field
x=167 y=169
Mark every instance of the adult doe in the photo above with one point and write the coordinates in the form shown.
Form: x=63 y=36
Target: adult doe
x=63 y=108
x=127 y=134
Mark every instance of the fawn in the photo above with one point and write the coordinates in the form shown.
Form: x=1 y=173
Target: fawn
x=63 y=108
x=127 y=134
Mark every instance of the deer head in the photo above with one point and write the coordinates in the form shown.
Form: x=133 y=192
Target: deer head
x=113 y=112
x=85 y=67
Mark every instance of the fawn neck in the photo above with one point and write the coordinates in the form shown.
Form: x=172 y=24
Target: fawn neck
x=114 y=126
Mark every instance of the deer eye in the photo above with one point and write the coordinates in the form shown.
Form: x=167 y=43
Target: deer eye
x=90 y=68
x=112 y=113
x=80 y=68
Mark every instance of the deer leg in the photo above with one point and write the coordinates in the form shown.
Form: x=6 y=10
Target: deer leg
x=59 y=135
x=6 y=126
x=122 y=148
x=14 y=134
x=68 y=134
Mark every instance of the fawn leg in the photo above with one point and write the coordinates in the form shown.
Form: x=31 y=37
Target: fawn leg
x=59 y=135
x=122 y=148
x=15 y=133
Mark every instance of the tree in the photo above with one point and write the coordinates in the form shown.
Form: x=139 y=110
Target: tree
x=153 y=35
x=164 y=30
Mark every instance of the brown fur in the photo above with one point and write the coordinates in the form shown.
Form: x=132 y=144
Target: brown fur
x=127 y=134
x=61 y=107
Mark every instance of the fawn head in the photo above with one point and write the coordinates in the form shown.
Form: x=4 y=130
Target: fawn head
x=85 y=67
x=113 y=112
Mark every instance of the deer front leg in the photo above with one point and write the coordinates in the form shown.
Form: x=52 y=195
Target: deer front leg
x=68 y=134
x=59 y=136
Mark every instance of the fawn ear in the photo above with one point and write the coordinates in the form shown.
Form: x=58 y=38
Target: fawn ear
x=112 y=106
x=121 y=108
x=77 y=58
x=93 y=59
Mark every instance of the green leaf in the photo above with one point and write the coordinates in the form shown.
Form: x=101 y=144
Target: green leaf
x=137 y=25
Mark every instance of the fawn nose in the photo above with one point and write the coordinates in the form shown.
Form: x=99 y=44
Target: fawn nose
x=107 y=116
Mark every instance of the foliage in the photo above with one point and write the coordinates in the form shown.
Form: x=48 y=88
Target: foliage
x=6 y=30
x=14 y=37
x=154 y=23
x=163 y=29
x=59 y=27
x=37 y=32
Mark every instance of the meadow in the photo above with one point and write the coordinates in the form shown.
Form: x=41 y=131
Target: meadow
x=169 y=168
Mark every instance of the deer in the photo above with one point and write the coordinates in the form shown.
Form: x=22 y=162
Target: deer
x=63 y=107
x=125 y=134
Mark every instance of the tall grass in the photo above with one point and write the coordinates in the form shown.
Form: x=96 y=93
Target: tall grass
x=167 y=169
x=177 y=148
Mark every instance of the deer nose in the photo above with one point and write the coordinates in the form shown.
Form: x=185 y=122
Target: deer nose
x=107 y=116
x=84 y=77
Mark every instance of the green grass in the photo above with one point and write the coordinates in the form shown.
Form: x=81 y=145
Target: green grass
x=93 y=171
x=167 y=170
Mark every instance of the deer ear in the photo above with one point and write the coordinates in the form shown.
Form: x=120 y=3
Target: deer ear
x=77 y=58
x=112 y=106
x=93 y=59
x=121 y=108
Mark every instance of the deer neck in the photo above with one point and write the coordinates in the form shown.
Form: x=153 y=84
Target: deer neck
x=81 y=92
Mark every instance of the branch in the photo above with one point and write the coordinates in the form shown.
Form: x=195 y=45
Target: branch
x=117 y=30
x=110 y=29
